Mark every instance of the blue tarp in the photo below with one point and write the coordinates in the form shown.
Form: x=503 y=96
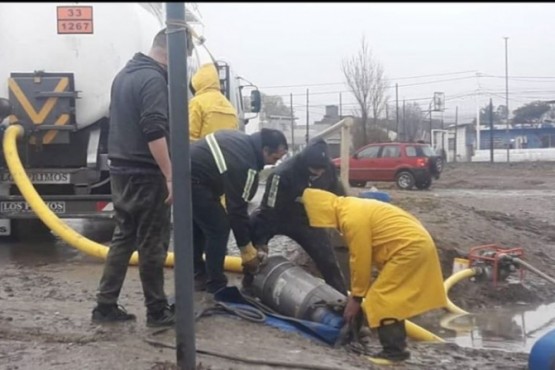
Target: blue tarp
x=313 y=330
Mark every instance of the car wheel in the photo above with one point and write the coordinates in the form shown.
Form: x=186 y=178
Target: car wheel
x=424 y=184
x=357 y=184
x=405 y=180
x=439 y=165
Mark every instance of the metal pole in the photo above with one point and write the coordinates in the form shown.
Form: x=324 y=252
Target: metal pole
x=181 y=182
x=387 y=119
x=442 y=122
x=507 y=96
x=430 y=110
x=490 y=131
x=397 y=110
x=404 y=123
x=456 y=133
x=340 y=106
x=292 y=123
x=307 y=117
x=478 y=111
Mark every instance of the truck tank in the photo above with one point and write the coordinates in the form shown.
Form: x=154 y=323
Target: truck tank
x=92 y=41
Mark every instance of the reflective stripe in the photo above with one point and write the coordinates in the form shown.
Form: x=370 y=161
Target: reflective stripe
x=216 y=153
x=248 y=184
x=273 y=191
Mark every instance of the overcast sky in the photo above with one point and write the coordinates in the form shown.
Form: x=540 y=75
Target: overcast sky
x=302 y=45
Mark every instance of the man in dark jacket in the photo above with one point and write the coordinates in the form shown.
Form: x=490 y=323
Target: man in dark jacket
x=140 y=175
x=281 y=212
x=227 y=163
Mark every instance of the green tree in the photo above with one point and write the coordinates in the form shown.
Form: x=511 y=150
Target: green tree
x=530 y=112
x=499 y=115
x=273 y=105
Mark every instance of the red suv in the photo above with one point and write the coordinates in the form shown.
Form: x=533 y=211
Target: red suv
x=407 y=164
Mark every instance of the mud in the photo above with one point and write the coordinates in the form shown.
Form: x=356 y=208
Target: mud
x=47 y=290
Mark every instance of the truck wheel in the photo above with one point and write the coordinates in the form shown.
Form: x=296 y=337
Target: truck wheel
x=404 y=180
x=423 y=185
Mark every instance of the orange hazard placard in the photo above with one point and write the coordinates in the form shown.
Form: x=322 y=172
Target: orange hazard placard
x=75 y=19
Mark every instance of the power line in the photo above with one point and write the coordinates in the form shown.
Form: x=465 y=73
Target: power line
x=512 y=77
x=344 y=83
x=436 y=81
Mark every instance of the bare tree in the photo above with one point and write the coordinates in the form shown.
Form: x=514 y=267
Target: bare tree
x=413 y=122
x=366 y=80
x=378 y=97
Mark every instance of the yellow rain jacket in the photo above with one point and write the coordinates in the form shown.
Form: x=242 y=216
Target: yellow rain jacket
x=209 y=109
x=380 y=234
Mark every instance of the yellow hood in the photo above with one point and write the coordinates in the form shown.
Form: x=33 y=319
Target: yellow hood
x=320 y=207
x=206 y=78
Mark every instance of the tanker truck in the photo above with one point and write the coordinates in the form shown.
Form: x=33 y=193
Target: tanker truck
x=58 y=63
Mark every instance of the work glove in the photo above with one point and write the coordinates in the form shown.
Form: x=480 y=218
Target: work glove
x=251 y=258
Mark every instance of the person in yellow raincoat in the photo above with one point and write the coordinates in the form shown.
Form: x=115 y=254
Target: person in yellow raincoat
x=380 y=234
x=209 y=109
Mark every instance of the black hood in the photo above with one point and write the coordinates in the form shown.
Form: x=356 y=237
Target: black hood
x=141 y=61
x=316 y=154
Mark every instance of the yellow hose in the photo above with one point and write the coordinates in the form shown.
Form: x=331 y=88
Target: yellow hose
x=419 y=333
x=414 y=331
x=60 y=228
x=448 y=322
x=452 y=280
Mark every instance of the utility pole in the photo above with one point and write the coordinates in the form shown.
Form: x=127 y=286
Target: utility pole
x=477 y=112
x=507 y=97
x=430 y=110
x=404 y=123
x=387 y=119
x=442 y=122
x=340 y=106
x=181 y=169
x=292 y=123
x=397 y=109
x=477 y=123
x=307 y=116
x=490 y=130
x=456 y=134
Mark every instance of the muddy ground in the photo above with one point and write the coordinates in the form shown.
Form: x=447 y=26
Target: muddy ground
x=47 y=289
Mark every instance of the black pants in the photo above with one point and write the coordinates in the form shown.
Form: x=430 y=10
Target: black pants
x=315 y=242
x=210 y=236
x=142 y=224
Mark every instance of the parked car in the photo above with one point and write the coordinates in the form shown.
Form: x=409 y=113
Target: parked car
x=407 y=164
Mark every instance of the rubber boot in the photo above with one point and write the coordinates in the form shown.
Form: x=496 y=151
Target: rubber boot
x=393 y=338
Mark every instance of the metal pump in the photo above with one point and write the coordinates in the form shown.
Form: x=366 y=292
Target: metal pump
x=291 y=291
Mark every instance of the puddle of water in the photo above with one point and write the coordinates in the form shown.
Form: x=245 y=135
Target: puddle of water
x=47 y=249
x=510 y=329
